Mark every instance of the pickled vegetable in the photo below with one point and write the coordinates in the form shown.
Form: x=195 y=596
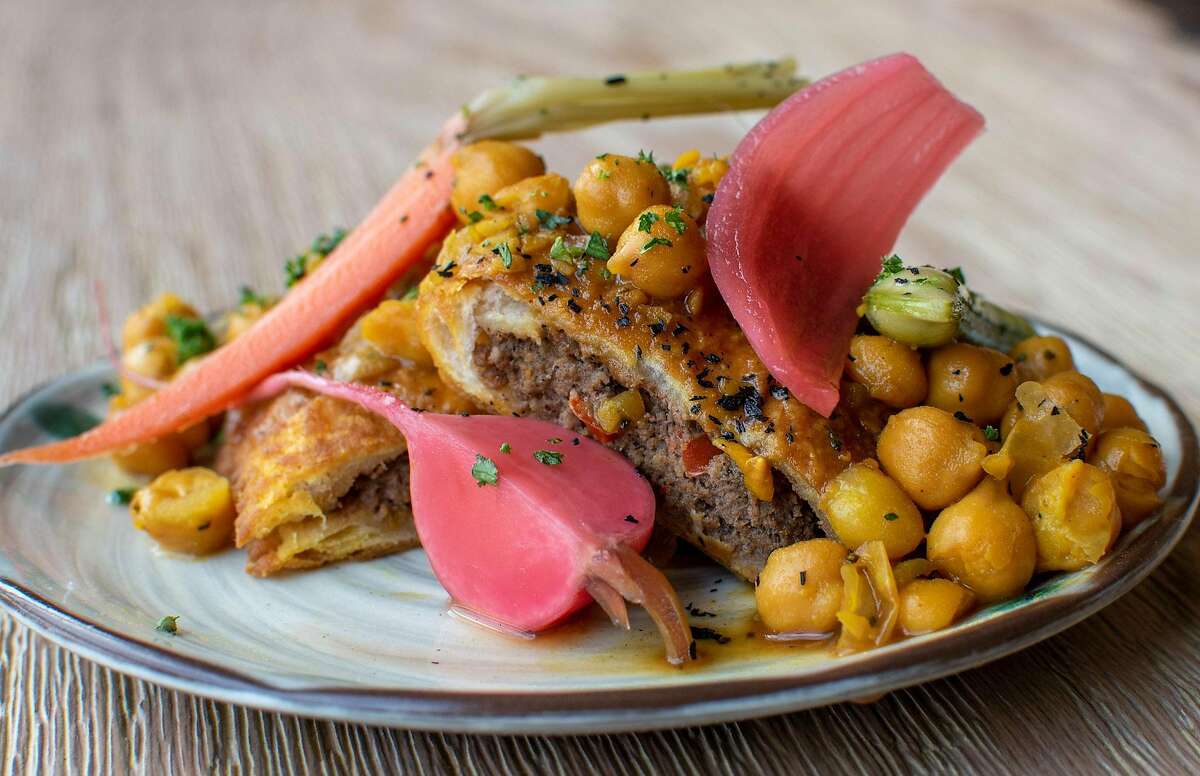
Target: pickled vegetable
x=918 y=306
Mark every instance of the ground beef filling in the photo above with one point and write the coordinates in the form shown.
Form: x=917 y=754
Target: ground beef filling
x=713 y=511
x=384 y=491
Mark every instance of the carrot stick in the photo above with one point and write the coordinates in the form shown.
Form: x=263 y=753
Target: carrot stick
x=410 y=217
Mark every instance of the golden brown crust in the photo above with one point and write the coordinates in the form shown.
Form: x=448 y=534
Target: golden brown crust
x=307 y=470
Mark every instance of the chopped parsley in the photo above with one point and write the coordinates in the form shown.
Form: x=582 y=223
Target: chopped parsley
x=320 y=366
x=655 y=241
x=548 y=457
x=109 y=390
x=474 y=216
x=297 y=267
x=550 y=221
x=602 y=157
x=120 y=496
x=679 y=176
x=247 y=295
x=487 y=203
x=957 y=274
x=505 y=448
x=891 y=516
x=505 y=254
x=191 y=337
x=563 y=252
x=168 y=624
x=596 y=247
x=991 y=434
x=601 y=173
x=892 y=265
x=411 y=293
x=484 y=471
x=645 y=157
x=325 y=244
x=646 y=220
x=675 y=219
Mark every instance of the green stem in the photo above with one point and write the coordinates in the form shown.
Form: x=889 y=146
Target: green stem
x=531 y=106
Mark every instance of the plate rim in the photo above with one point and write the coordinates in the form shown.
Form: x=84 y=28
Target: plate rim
x=562 y=712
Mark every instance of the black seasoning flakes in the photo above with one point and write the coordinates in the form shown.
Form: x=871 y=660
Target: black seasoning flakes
x=686 y=347
x=679 y=329
x=712 y=358
x=960 y=415
x=779 y=392
x=1006 y=370
x=696 y=611
x=622 y=322
x=695 y=409
x=573 y=306
x=708 y=634
x=666 y=346
x=727 y=436
x=657 y=327
x=631 y=519
x=615 y=80
x=445 y=271
x=714 y=419
x=835 y=441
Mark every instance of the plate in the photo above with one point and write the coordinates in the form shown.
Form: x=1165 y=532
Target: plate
x=375 y=642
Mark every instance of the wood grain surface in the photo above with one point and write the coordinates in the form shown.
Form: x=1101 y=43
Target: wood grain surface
x=194 y=145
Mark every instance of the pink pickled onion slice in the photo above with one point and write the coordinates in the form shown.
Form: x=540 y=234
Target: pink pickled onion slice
x=565 y=514
x=816 y=195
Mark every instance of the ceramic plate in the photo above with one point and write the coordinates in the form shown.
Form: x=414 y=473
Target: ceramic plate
x=374 y=642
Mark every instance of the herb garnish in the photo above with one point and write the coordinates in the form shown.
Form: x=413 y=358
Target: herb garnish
x=991 y=433
x=548 y=457
x=474 y=216
x=109 y=390
x=646 y=220
x=191 y=337
x=563 y=252
x=168 y=624
x=645 y=157
x=505 y=448
x=596 y=247
x=957 y=274
x=892 y=265
x=655 y=241
x=120 y=496
x=550 y=221
x=891 y=516
x=320 y=366
x=247 y=295
x=484 y=471
x=487 y=203
x=675 y=219
x=505 y=255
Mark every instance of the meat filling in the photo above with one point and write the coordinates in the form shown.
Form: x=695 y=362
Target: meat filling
x=714 y=511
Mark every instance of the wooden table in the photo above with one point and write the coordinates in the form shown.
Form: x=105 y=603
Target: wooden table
x=193 y=146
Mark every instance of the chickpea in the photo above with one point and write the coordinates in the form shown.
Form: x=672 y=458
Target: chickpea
x=1134 y=462
x=394 y=328
x=240 y=320
x=661 y=252
x=153 y=458
x=1119 y=413
x=978 y=382
x=186 y=510
x=612 y=190
x=151 y=320
x=800 y=588
x=935 y=458
x=928 y=605
x=864 y=504
x=1038 y=358
x=485 y=168
x=892 y=371
x=1075 y=516
x=1077 y=396
x=550 y=193
x=985 y=542
x=153 y=357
